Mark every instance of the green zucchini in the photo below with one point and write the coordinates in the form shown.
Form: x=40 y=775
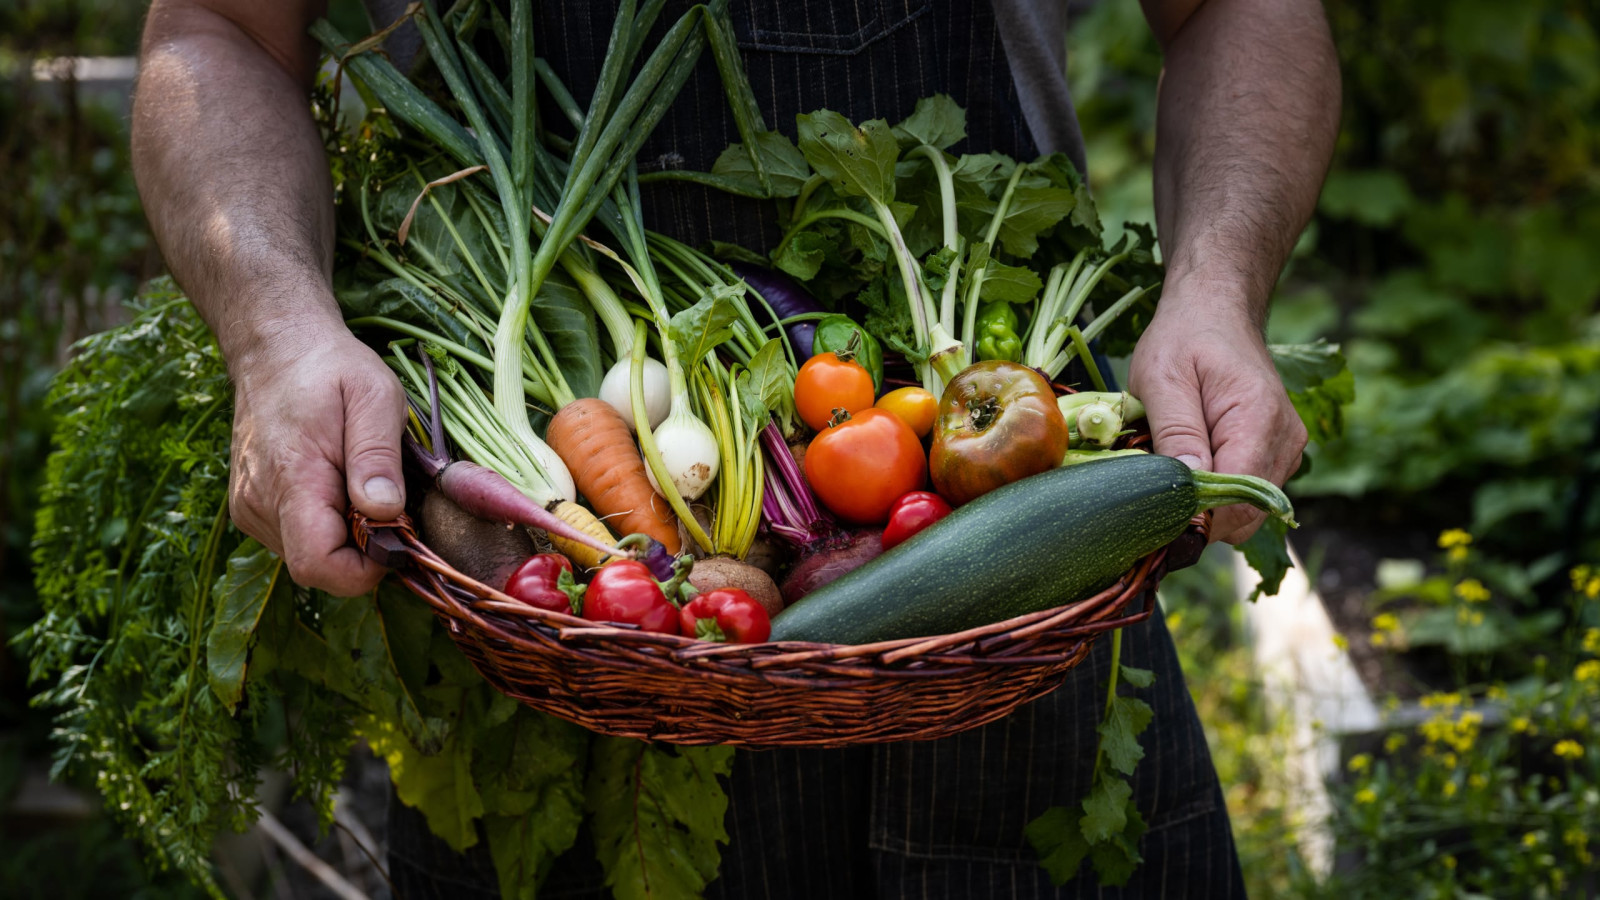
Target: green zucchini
x=1034 y=544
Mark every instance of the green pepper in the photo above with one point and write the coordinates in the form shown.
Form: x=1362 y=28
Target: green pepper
x=833 y=335
x=997 y=332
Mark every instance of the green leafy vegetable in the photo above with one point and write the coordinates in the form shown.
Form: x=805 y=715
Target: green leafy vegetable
x=1013 y=284
x=1033 y=210
x=937 y=121
x=859 y=161
x=1319 y=383
x=1119 y=733
x=1108 y=831
x=768 y=379
x=656 y=813
x=254 y=575
x=704 y=326
x=1267 y=551
x=132 y=538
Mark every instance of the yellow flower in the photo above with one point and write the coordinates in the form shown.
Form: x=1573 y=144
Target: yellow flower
x=1477 y=782
x=1455 y=543
x=1379 y=639
x=1578 y=840
x=1586 y=581
x=1520 y=724
x=1587 y=671
x=1449 y=789
x=1591 y=641
x=1385 y=622
x=1359 y=763
x=1472 y=591
x=1449 y=760
x=1340 y=642
x=1394 y=742
x=1495 y=692
x=1448 y=861
x=1531 y=839
x=1569 y=749
x=1447 y=701
x=1366 y=796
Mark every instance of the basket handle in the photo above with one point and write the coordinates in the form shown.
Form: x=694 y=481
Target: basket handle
x=381 y=541
x=1186 y=548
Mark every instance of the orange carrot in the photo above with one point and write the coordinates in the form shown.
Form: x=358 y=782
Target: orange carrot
x=595 y=443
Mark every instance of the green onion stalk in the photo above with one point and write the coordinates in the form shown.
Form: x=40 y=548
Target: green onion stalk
x=738 y=399
x=1053 y=338
x=503 y=142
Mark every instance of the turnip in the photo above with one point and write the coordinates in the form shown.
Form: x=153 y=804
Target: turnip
x=727 y=572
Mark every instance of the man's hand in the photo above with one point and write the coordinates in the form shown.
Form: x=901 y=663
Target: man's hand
x=1246 y=117
x=317 y=427
x=1214 y=401
x=234 y=180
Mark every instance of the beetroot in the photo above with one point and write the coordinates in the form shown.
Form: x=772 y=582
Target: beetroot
x=829 y=560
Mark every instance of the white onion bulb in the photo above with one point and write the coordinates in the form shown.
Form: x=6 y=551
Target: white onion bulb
x=616 y=389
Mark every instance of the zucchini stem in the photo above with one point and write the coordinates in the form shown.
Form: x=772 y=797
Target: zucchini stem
x=1214 y=489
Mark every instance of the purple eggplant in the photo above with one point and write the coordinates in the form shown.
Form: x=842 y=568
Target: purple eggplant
x=785 y=298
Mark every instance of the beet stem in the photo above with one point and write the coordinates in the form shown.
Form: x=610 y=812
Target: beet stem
x=787 y=507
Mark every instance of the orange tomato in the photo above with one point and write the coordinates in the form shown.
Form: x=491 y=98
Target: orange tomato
x=861 y=466
x=915 y=407
x=826 y=383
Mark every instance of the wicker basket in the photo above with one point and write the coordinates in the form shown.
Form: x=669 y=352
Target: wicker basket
x=625 y=682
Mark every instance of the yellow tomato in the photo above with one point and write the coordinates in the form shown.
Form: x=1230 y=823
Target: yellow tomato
x=915 y=407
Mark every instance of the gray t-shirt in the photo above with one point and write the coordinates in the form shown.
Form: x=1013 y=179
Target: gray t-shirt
x=1035 y=36
x=1034 y=33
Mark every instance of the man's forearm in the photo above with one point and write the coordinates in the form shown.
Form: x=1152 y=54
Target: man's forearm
x=233 y=178
x=1247 y=116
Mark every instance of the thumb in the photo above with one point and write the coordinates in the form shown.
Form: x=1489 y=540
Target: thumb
x=373 y=421
x=1178 y=424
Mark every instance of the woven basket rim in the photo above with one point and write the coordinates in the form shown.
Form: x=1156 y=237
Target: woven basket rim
x=1096 y=608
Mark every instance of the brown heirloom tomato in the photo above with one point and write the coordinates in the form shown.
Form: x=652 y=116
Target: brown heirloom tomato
x=998 y=422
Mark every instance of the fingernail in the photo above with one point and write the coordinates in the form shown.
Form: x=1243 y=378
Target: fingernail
x=1190 y=460
x=381 y=490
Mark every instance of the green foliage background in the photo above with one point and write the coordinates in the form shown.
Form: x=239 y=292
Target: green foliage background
x=1451 y=251
x=1452 y=256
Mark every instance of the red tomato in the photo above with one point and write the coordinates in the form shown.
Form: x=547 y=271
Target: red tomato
x=536 y=581
x=625 y=592
x=912 y=513
x=725 y=614
x=826 y=383
x=859 y=467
